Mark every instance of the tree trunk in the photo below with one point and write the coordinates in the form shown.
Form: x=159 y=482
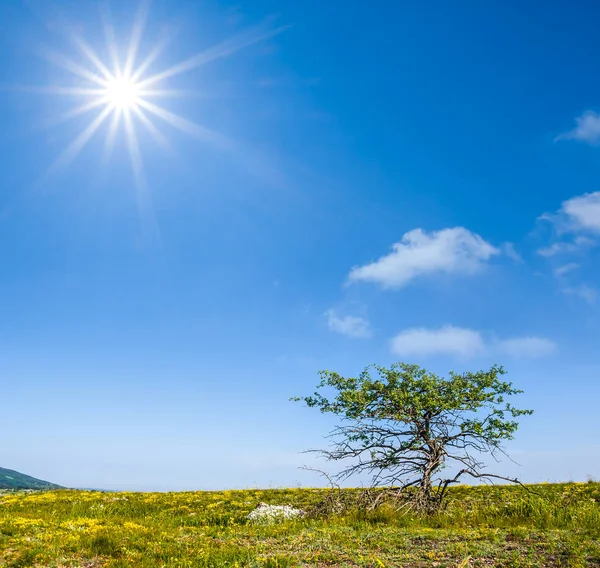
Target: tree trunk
x=425 y=491
x=427 y=496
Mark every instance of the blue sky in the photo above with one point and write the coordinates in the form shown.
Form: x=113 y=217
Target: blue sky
x=331 y=185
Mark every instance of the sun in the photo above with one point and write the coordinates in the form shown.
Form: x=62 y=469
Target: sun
x=123 y=93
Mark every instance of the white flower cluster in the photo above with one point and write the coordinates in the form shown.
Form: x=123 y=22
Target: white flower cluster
x=272 y=513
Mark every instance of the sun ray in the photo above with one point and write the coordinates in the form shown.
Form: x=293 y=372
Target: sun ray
x=219 y=51
x=60 y=91
x=111 y=38
x=185 y=125
x=73 y=149
x=91 y=55
x=144 y=199
x=76 y=91
x=136 y=37
x=134 y=149
x=74 y=68
x=73 y=113
x=154 y=132
x=111 y=135
x=170 y=93
x=152 y=57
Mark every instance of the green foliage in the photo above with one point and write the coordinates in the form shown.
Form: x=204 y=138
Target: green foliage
x=405 y=424
x=10 y=479
x=404 y=392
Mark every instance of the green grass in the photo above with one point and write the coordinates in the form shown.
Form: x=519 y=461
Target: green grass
x=547 y=525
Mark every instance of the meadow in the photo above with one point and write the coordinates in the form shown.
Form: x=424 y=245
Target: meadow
x=541 y=525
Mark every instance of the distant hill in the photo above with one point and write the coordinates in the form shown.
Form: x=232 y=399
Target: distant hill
x=10 y=479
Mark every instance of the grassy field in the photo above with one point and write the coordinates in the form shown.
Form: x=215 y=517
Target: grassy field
x=549 y=525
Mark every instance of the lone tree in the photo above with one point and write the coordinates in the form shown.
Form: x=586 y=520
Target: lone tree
x=406 y=426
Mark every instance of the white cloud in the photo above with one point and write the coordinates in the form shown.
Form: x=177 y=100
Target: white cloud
x=509 y=250
x=448 y=340
x=576 y=215
x=453 y=251
x=566 y=268
x=466 y=343
x=584 y=211
x=584 y=292
x=579 y=219
x=527 y=347
x=578 y=244
x=352 y=326
x=557 y=248
x=587 y=129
